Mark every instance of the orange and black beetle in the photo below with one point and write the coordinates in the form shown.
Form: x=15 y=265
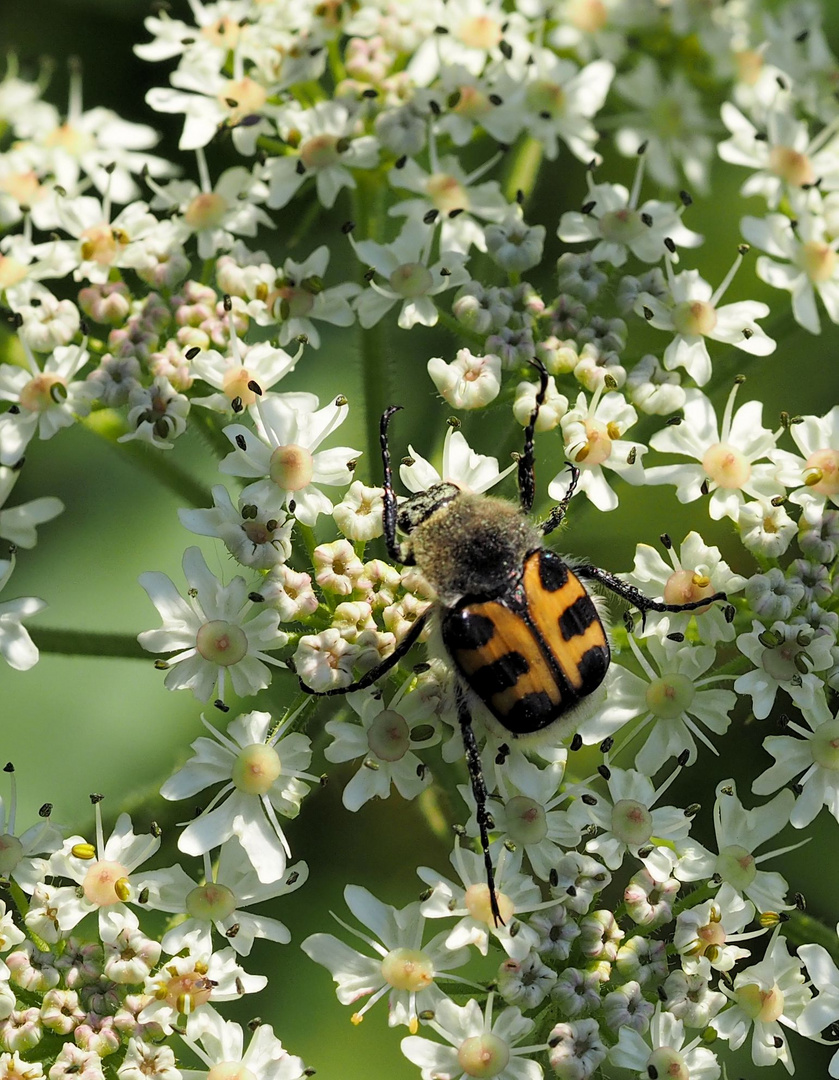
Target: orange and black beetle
x=521 y=633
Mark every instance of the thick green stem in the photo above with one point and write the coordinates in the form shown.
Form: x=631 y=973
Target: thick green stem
x=156 y=463
x=524 y=169
x=82 y=643
x=368 y=208
x=463 y=332
x=803 y=929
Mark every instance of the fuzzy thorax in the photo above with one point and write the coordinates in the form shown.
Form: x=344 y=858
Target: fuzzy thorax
x=472 y=545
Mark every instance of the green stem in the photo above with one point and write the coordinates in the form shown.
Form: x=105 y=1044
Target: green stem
x=803 y=929
x=22 y=904
x=368 y=210
x=156 y=463
x=456 y=328
x=208 y=424
x=524 y=169
x=83 y=643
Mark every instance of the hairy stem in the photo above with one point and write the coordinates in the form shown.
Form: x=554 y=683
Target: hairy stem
x=83 y=643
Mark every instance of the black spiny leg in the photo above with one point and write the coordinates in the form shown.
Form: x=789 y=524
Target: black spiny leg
x=554 y=518
x=479 y=791
x=389 y=513
x=526 y=473
x=375 y=673
x=635 y=596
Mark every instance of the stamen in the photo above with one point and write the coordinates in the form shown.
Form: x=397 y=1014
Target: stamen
x=203 y=171
x=725 y=428
x=639 y=176
x=726 y=281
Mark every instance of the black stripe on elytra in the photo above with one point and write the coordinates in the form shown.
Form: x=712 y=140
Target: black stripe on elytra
x=464 y=629
x=553 y=572
x=498 y=676
x=577 y=617
x=531 y=712
x=593 y=665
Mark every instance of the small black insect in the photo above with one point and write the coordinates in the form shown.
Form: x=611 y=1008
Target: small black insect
x=516 y=623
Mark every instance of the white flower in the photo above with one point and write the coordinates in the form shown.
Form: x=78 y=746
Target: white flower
x=47 y=321
x=765 y=529
x=385 y=741
x=669 y=121
x=211 y=633
x=704 y=934
x=551 y=411
x=810 y=264
x=560 y=100
x=156 y=414
x=461 y=465
x=516 y=895
x=468 y=382
x=230 y=887
x=211 y=101
x=655 y=391
x=301 y=298
x=727 y=455
x=102 y=242
x=629 y=823
x=283 y=456
x=786 y=657
x=241 y=379
x=477 y=1044
x=823 y=1010
x=252 y=537
x=189 y=985
x=739 y=833
x=814 y=475
x=782 y=156
x=576 y=1048
x=261 y=777
x=448 y=189
x=44 y=400
x=401 y=967
x=359 y=514
x=215 y=213
x=674 y=702
x=663 y=1051
x=513 y=244
x=146 y=1061
x=767 y=995
x=404 y=264
x=611 y=217
x=16 y=646
x=593 y=436
x=692 y=312
x=18 y=524
x=528 y=815
x=813 y=752
x=220 y=1046
x=474 y=31
x=325 y=145
x=695 y=572
x=106 y=875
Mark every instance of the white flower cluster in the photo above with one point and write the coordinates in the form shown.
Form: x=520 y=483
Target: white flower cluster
x=416 y=131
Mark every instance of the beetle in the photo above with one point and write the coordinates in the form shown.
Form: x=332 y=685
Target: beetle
x=519 y=629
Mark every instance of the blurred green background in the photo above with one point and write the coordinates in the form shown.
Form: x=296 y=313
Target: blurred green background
x=74 y=726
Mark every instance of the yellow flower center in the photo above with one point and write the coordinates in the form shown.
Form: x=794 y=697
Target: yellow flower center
x=256 y=768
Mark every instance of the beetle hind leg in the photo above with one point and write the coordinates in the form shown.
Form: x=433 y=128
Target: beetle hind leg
x=479 y=791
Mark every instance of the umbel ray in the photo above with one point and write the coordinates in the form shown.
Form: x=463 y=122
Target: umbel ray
x=521 y=634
